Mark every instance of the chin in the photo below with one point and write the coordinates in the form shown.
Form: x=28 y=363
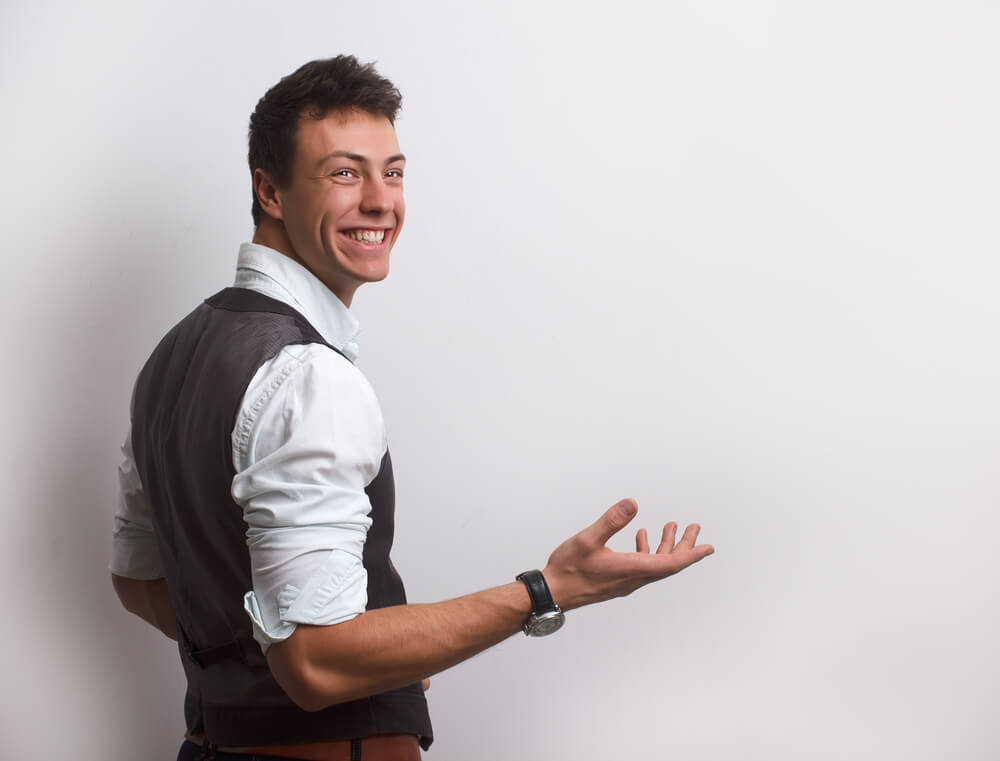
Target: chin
x=375 y=274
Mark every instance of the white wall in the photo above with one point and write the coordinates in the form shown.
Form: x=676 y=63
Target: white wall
x=737 y=260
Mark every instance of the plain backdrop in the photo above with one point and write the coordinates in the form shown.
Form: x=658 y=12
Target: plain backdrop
x=738 y=260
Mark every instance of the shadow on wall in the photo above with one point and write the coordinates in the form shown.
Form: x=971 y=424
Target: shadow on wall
x=129 y=673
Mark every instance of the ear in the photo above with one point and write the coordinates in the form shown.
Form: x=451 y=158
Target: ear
x=267 y=194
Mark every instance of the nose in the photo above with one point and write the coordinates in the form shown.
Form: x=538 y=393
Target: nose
x=376 y=198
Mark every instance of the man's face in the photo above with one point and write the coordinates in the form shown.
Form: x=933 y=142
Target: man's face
x=343 y=208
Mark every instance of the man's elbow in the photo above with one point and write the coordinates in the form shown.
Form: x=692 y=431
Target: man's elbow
x=149 y=600
x=309 y=686
x=292 y=670
x=311 y=701
x=302 y=688
x=130 y=593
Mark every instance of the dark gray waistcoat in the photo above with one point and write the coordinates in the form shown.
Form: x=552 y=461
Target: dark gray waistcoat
x=186 y=401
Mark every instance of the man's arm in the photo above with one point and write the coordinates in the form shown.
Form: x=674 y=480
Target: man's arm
x=136 y=567
x=149 y=600
x=383 y=649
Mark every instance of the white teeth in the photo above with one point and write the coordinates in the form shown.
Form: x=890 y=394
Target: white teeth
x=368 y=236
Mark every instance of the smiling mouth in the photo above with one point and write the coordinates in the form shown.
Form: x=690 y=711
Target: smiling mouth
x=366 y=236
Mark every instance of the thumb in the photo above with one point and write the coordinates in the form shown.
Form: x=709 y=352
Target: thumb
x=617 y=517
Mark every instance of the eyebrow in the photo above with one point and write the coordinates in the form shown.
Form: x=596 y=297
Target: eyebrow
x=358 y=157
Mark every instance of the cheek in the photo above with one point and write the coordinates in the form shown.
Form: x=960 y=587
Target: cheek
x=304 y=214
x=333 y=210
x=323 y=224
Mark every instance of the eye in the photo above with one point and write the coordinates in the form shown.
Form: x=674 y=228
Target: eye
x=341 y=173
x=394 y=174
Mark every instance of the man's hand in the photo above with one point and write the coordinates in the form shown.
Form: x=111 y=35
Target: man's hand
x=583 y=570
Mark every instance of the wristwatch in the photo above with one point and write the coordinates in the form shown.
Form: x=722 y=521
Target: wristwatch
x=545 y=615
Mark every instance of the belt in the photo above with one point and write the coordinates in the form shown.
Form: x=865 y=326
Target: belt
x=372 y=748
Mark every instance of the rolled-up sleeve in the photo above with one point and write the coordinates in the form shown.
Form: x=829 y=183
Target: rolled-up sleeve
x=134 y=552
x=309 y=438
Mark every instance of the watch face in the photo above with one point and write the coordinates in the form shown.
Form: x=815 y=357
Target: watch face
x=547 y=623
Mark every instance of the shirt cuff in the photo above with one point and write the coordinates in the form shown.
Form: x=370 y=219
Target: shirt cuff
x=134 y=553
x=336 y=592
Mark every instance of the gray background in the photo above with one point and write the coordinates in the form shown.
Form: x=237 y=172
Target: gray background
x=736 y=260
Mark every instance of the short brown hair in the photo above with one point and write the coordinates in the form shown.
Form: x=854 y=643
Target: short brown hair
x=312 y=91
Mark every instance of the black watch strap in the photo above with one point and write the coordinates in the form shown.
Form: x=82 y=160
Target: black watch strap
x=538 y=591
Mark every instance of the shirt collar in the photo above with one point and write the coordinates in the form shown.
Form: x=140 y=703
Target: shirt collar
x=273 y=274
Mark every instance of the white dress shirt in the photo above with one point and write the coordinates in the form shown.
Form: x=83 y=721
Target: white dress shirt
x=309 y=437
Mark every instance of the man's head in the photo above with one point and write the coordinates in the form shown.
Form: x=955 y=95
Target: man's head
x=314 y=90
x=327 y=171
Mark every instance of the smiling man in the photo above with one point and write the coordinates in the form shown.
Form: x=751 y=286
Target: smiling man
x=257 y=508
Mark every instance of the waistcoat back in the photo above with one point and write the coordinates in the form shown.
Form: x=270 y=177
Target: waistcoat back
x=185 y=404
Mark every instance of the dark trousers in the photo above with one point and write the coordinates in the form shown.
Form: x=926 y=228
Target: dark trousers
x=191 y=752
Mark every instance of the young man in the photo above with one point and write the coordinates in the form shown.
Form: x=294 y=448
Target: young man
x=257 y=496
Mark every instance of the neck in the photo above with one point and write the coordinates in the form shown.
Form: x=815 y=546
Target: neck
x=271 y=233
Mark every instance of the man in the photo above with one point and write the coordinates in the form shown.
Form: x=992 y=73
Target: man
x=257 y=496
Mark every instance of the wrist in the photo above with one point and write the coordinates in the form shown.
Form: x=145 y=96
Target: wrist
x=559 y=588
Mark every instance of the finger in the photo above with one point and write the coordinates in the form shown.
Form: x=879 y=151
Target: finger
x=614 y=520
x=683 y=557
x=642 y=541
x=690 y=536
x=667 y=540
x=700 y=552
x=426 y=684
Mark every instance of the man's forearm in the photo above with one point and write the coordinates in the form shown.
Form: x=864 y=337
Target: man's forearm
x=150 y=600
x=383 y=649
x=387 y=648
